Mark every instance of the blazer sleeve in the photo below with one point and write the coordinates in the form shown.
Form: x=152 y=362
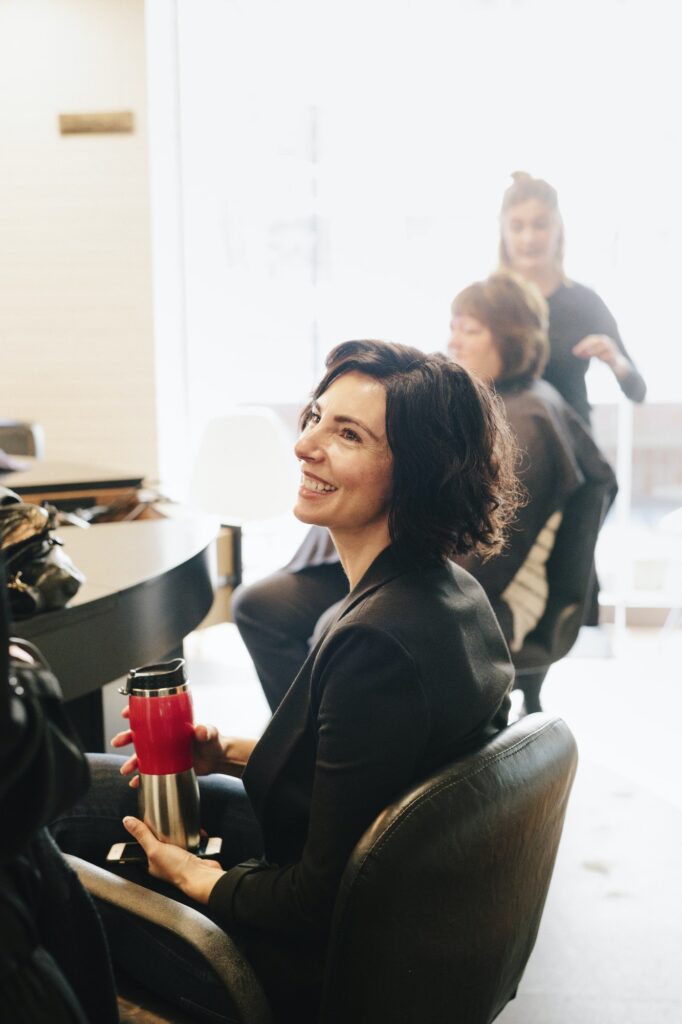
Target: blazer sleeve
x=372 y=722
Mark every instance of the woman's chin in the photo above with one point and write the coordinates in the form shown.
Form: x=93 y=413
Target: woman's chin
x=305 y=514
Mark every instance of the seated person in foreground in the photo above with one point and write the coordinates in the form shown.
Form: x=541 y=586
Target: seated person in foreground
x=499 y=332
x=406 y=460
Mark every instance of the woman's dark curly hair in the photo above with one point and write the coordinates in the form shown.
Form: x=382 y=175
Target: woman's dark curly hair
x=454 y=488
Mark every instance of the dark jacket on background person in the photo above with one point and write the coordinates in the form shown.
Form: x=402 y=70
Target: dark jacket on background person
x=558 y=455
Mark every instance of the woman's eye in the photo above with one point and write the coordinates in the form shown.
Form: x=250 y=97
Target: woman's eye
x=312 y=417
x=349 y=434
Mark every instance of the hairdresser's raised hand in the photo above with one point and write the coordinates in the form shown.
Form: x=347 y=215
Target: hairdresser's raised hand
x=602 y=347
x=196 y=877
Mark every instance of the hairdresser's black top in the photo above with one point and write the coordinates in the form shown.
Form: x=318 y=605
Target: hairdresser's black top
x=574 y=312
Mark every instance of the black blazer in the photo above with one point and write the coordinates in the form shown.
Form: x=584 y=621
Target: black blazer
x=412 y=672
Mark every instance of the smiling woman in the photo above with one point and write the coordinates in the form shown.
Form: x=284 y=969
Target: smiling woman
x=347 y=469
x=406 y=459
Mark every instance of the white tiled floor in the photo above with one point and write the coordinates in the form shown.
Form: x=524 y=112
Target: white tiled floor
x=609 y=946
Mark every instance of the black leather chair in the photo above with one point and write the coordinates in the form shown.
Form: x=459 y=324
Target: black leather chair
x=20 y=438
x=570 y=575
x=441 y=900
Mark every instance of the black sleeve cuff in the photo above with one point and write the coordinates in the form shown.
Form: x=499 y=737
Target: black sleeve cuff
x=222 y=897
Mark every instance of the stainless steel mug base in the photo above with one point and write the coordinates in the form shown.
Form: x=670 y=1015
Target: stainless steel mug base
x=169 y=805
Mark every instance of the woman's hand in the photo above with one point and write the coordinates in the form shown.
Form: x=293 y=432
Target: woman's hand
x=226 y=755
x=124 y=739
x=212 y=752
x=196 y=877
x=602 y=347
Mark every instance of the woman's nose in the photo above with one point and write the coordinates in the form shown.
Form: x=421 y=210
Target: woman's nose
x=307 y=448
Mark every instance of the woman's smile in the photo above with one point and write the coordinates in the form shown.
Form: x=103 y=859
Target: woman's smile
x=346 y=463
x=315 y=485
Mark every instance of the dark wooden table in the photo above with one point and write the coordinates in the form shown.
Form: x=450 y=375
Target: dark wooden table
x=69 y=483
x=148 y=584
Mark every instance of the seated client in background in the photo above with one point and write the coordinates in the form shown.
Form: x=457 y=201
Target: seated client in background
x=407 y=461
x=498 y=332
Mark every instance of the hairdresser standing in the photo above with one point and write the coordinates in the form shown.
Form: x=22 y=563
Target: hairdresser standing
x=580 y=324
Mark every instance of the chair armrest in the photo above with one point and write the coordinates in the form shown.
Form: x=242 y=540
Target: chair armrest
x=206 y=938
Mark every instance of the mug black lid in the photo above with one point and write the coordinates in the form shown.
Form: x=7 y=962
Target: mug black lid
x=161 y=676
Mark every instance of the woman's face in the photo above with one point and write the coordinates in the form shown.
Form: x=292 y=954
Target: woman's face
x=473 y=346
x=346 y=463
x=531 y=234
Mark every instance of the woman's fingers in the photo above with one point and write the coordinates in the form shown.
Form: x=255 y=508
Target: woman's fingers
x=125 y=713
x=598 y=345
x=205 y=733
x=128 y=767
x=142 y=833
x=165 y=860
x=122 y=739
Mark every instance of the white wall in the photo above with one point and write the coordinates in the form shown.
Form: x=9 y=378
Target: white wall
x=76 y=331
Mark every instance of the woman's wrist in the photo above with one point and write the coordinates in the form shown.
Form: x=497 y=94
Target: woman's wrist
x=198 y=880
x=236 y=753
x=621 y=366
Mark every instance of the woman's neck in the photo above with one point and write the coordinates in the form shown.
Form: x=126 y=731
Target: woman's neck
x=547 y=279
x=357 y=551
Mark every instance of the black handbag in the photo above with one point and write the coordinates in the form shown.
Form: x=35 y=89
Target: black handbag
x=54 y=961
x=47 y=771
x=40 y=575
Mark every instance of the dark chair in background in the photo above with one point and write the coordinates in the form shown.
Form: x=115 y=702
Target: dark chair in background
x=18 y=438
x=570 y=574
x=441 y=900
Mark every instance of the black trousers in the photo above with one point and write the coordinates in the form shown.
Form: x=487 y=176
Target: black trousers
x=276 y=618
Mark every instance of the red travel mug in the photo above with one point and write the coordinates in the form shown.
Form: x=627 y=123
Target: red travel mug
x=162 y=724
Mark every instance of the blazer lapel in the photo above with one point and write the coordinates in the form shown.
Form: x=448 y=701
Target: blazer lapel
x=386 y=566
x=292 y=717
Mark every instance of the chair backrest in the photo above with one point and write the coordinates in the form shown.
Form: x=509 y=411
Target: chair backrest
x=19 y=438
x=570 y=571
x=440 y=903
x=245 y=468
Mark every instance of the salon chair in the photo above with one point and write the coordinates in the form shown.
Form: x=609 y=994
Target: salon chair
x=20 y=438
x=440 y=903
x=570 y=574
